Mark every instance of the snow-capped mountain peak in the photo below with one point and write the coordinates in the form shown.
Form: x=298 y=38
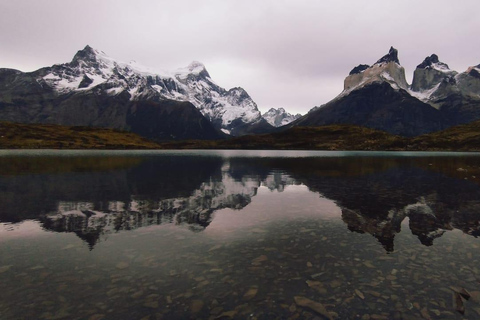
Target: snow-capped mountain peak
x=85 y=55
x=91 y=68
x=279 y=117
x=195 y=68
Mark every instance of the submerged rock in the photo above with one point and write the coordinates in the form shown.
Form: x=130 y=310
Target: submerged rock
x=313 y=305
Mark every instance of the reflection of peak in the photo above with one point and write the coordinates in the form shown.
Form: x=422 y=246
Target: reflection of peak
x=91 y=221
x=87 y=225
x=423 y=223
x=384 y=230
x=278 y=181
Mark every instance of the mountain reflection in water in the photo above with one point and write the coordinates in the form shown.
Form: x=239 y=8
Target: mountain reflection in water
x=96 y=196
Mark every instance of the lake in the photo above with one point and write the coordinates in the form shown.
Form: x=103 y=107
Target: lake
x=239 y=235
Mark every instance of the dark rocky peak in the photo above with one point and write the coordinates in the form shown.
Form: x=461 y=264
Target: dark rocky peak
x=474 y=71
x=86 y=54
x=430 y=61
x=392 y=56
x=359 y=69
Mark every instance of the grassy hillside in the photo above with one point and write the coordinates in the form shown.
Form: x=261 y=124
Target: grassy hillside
x=44 y=136
x=347 y=137
x=465 y=137
x=332 y=137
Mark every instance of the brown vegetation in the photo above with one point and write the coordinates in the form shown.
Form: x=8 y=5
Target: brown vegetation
x=47 y=136
x=332 y=137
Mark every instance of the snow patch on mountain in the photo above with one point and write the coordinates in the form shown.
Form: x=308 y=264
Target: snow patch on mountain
x=424 y=95
x=429 y=76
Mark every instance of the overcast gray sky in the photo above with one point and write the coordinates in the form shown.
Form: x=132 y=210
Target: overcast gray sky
x=292 y=54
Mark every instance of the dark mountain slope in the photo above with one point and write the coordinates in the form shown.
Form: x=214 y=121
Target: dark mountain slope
x=378 y=106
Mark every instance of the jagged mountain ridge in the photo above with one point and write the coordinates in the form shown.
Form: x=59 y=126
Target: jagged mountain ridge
x=279 y=117
x=92 y=72
x=379 y=97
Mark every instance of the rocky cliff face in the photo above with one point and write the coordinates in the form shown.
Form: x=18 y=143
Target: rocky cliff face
x=94 y=89
x=430 y=73
x=228 y=110
x=386 y=69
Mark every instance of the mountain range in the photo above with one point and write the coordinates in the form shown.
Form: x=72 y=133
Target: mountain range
x=379 y=97
x=96 y=90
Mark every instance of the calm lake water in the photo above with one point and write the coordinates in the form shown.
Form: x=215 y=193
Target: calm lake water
x=239 y=234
